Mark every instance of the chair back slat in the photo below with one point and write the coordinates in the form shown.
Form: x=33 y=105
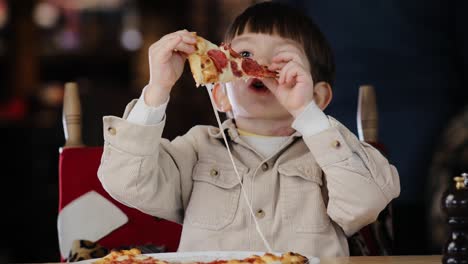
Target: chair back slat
x=72 y=116
x=367 y=115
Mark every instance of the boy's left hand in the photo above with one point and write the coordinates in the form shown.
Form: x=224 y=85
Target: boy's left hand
x=294 y=87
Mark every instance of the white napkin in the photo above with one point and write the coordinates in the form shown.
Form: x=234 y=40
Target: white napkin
x=90 y=217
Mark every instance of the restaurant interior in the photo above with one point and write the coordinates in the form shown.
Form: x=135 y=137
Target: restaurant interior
x=413 y=53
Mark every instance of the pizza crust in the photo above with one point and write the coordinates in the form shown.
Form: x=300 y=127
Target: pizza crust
x=201 y=65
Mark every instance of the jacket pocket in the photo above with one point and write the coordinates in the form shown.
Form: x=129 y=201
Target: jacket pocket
x=302 y=202
x=215 y=196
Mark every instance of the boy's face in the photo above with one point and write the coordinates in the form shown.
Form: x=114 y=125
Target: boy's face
x=251 y=99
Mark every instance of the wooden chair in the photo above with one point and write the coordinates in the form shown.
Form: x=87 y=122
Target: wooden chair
x=78 y=166
x=376 y=238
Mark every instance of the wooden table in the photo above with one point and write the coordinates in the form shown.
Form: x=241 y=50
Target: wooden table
x=437 y=259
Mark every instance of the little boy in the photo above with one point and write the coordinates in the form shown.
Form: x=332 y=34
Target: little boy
x=309 y=180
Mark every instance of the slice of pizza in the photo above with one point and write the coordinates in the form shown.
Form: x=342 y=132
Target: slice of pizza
x=220 y=64
x=132 y=256
x=267 y=258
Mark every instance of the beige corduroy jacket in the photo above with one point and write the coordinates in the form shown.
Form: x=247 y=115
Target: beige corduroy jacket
x=307 y=197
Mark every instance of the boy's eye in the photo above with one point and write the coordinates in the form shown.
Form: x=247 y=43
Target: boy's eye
x=245 y=54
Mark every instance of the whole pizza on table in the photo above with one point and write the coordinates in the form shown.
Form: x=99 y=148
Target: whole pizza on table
x=134 y=256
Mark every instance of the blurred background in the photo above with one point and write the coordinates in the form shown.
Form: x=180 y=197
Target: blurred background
x=415 y=53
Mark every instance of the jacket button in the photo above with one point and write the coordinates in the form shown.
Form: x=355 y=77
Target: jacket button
x=264 y=167
x=214 y=172
x=112 y=130
x=336 y=143
x=260 y=213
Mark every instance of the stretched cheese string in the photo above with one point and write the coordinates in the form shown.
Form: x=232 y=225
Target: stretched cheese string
x=209 y=87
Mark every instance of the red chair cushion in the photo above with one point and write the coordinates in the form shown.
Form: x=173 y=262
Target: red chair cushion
x=78 y=175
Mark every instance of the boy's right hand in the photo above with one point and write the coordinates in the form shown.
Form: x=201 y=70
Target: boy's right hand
x=166 y=60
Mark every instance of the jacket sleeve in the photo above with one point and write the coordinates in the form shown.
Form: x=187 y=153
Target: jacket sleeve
x=142 y=170
x=359 y=179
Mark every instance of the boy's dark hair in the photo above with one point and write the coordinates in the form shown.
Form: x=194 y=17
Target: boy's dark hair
x=287 y=22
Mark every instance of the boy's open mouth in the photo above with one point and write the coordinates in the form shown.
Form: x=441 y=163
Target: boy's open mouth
x=258 y=86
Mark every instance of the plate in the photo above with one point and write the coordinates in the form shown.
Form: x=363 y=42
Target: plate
x=205 y=256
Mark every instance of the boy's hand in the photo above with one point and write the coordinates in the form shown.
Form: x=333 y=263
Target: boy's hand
x=294 y=88
x=166 y=61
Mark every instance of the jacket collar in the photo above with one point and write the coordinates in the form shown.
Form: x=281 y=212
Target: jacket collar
x=229 y=127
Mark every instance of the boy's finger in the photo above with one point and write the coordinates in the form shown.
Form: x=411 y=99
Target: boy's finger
x=294 y=72
x=187 y=36
x=175 y=43
x=285 y=57
x=169 y=36
x=283 y=72
x=189 y=39
x=276 y=66
x=182 y=33
x=281 y=57
x=166 y=49
x=287 y=75
x=291 y=75
x=185 y=48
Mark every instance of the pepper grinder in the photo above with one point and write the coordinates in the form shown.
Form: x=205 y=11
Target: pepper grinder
x=455 y=206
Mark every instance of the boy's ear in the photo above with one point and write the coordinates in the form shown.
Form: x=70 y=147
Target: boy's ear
x=322 y=94
x=221 y=99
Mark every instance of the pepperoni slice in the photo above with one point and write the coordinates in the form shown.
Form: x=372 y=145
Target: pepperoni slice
x=235 y=69
x=252 y=68
x=219 y=58
x=268 y=74
x=232 y=52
